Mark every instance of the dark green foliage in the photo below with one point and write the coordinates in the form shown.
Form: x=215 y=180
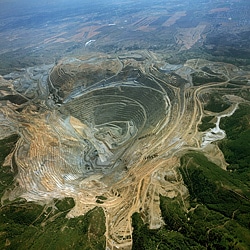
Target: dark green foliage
x=239 y=81
x=173 y=214
x=20 y=213
x=65 y=204
x=245 y=93
x=216 y=104
x=163 y=239
x=237 y=152
x=24 y=230
x=6 y=174
x=101 y=197
x=218 y=189
x=198 y=228
x=201 y=224
x=99 y=202
x=209 y=71
x=238 y=123
x=206 y=123
x=236 y=147
x=200 y=78
x=218 y=216
x=6 y=146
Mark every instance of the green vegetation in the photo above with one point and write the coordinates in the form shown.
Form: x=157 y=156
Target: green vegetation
x=26 y=225
x=216 y=103
x=6 y=175
x=101 y=197
x=206 y=123
x=209 y=71
x=6 y=145
x=220 y=190
x=217 y=217
x=200 y=78
x=245 y=93
x=99 y=201
x=162 y=239
x=239 y=81
x=236 y=147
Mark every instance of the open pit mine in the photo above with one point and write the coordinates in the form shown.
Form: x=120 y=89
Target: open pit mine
x=108 y=131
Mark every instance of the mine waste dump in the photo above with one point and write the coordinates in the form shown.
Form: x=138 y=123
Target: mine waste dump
x=108 y=131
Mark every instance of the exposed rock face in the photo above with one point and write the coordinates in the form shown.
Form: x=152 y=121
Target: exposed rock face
x=105 y=126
